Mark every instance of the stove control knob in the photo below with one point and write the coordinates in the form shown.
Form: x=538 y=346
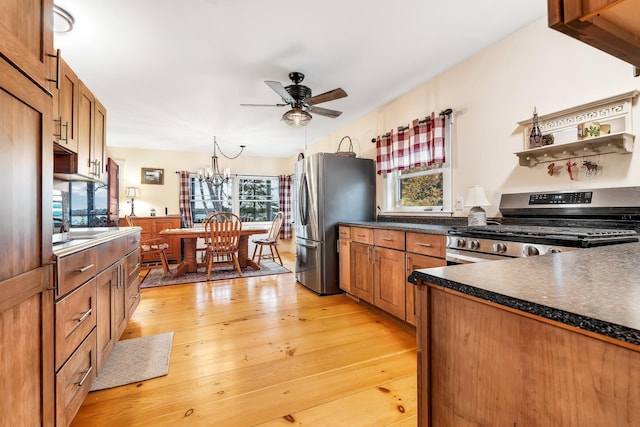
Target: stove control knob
x=461 y=243
x=499 y=248
x=474 y=244
x=530 y=251
x=553 y=250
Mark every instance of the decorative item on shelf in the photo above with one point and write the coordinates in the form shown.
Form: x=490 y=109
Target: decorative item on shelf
x=349 y=153
x=570 y=166
x=212 y=174
x=547 y=139
x=593 y=130
x=535 y=136
x=592 y=168
x=475 y=199
x=132 y=193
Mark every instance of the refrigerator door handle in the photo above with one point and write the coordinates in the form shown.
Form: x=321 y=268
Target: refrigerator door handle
x=304 y=201
x=307 y=246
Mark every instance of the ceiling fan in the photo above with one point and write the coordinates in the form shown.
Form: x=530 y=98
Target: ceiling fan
x=299 y=97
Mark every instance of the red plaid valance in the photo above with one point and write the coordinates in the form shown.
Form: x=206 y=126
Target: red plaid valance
x=421 y=144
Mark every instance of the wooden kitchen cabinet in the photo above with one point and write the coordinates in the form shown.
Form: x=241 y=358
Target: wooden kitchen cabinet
x=86 y=127
x=151 y=228
x=96 y=156
x=92 y=310
x=480 y=363
x=423 y=251
x=389 y=281
x=65 y=108
x=344 y=258
x=26 y=295
x=362 y=271
x=609 y=25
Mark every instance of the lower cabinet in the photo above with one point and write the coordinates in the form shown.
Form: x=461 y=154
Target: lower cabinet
x=93 y=306
x=375 y=263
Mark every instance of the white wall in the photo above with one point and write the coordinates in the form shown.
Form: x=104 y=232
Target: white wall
x=489 y=93
x=493 y=91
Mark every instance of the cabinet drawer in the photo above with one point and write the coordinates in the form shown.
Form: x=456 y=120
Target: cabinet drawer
x=133 y=241
x=132 y=267
x=344 y=232
x=426 y=244
x=75 y=269
x=75 y=317
x=110 y=252
x=133 y=296
x=392 y=239
x=362 y=235
x=74 y=380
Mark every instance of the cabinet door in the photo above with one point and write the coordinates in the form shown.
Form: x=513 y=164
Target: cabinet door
x=86 y=110
x=66 y=121
x=362 y=271
x=105 y=330
x=25 y=36
x=390 y=281
x=98 y=167
x=120 y=305
x=344 y=264
x=26 y=304
x=417 y=262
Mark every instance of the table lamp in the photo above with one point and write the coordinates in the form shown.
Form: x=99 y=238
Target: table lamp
x=132 y=193
x=475 y=199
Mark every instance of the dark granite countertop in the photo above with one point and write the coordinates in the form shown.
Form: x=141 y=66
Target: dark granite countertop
x=401 y=226
x=596 y=289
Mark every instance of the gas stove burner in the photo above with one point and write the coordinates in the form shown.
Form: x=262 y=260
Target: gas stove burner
x=539 y=231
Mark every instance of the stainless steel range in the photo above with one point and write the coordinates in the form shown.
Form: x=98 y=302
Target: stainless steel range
x=543 y=223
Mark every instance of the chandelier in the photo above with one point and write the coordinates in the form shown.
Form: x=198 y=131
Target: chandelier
x=212 y=175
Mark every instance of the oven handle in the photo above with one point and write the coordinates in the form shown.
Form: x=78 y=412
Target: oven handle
x=453 y=259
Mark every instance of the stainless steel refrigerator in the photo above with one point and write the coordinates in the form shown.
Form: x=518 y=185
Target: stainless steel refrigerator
x=329 y=189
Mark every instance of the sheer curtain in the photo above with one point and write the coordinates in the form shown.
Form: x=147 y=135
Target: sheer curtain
x=284 y=190
x=186 y=221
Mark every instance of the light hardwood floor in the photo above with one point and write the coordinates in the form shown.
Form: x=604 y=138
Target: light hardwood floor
x=265 y=351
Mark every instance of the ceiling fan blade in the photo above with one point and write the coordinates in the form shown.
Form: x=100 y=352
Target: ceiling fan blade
x=280 y=90
x=327 y=96
x=324 y=112
x=263 y=105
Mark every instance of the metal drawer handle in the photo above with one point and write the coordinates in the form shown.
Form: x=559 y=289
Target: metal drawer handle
x=84 y=316
x=361 y=235
x=83 y=269
x=84 y=376
x=387 y=239
x=426 y=245
x=135 y=296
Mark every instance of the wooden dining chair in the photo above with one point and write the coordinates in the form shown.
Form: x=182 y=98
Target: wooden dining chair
x=222 y=232
x=153 y=246
x=271 y=240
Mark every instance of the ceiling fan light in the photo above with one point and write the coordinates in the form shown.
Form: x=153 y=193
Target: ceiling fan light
x=296 y=117
x=62 y=20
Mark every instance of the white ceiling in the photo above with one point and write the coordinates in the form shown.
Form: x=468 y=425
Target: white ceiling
x=172 y=74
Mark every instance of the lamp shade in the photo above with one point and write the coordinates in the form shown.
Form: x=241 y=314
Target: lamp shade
x=296 y=117
x=132 y=192
x=476 y=197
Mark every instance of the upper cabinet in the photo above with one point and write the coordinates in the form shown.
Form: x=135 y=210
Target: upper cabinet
x=609 y=25
x=65 y=107
x=26 y=39
x=592 y=129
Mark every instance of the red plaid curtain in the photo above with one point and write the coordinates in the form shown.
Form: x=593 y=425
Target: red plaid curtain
x=422 y=145
x=186 y=220
x=284 y=190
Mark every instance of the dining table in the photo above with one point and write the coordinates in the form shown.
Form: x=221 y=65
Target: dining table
x=190 y=237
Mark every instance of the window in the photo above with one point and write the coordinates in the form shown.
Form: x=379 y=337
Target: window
x=420 y=189
x=253 y=199
x=88 y=204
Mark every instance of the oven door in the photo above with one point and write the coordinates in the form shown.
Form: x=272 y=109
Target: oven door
x=457 y=256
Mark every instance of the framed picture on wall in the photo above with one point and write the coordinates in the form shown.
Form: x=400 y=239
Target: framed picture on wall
x=152 y=176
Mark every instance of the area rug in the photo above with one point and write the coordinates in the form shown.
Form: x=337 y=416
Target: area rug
x=156 y=277
x=135 y=360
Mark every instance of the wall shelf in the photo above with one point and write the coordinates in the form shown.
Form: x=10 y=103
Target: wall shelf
x=621 y=143
x=568 y=130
